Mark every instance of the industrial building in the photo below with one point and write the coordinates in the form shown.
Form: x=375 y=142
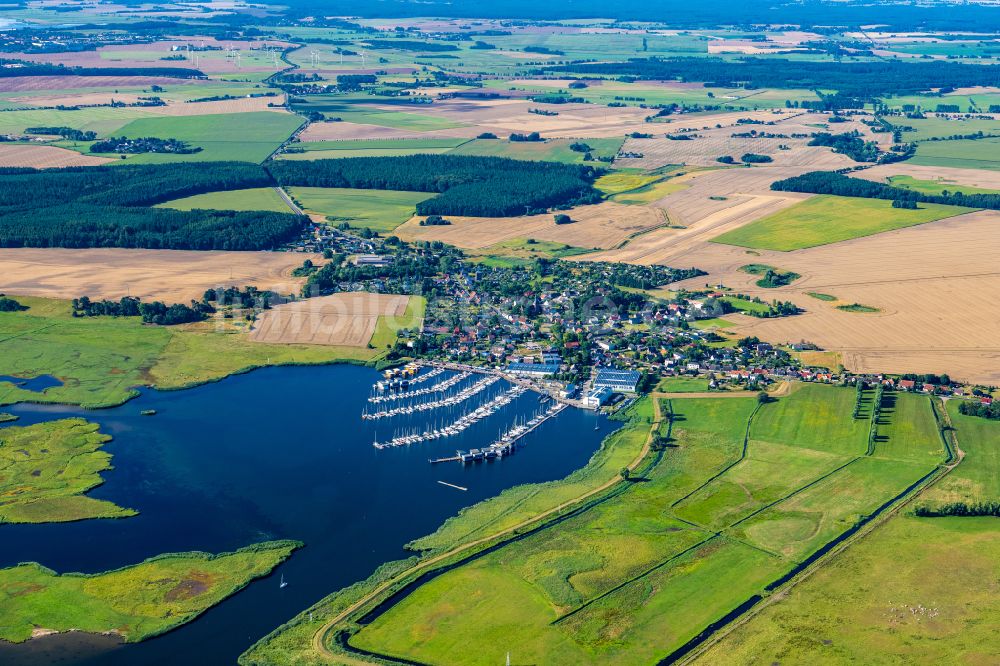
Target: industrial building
x=620 y=381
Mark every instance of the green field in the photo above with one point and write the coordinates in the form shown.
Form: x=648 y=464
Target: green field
x=963 y=154
x=46 y=468
x=101 y=359
x=682 y=385
x=244 y=137
x=317 y=150
x=910 y=593
x=745 y=491
x=550 y=150
x=379 y=210
x=825 y=219
x=926 y=128
x=821 y=296
x=521 y=251
x=258 y=198
x=936 y=186
x=977 y=479
x=356 y=113
x=134 y=602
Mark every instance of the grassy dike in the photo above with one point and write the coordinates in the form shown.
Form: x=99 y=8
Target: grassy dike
x=316 y=635
x=135 y=602
x=101 y=359
x=46 y=468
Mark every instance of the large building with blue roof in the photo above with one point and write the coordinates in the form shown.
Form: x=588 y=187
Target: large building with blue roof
x=620 y=381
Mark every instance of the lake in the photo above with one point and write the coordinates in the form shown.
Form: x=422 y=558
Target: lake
x=278 y=453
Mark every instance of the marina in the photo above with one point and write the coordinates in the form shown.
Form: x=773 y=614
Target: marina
x=463 y=395
x=222 y=487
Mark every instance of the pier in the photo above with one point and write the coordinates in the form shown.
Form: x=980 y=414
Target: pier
x=506 y=445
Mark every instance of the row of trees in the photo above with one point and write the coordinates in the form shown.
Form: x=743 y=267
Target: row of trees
x=831 y=182
x=970 y=408
x=155 y=312
x=11 y=68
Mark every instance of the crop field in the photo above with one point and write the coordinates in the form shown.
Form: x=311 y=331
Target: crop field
x=942 y=127
x=712 y=144
x=385 y=117
x=911 y=275
x=962 y=154
x=100 y=359
x=321 y=150
x=602 y=225
x=44 y=157
x=167 y=275
x=46 y=469
x=626 y=581
x=258 y=198
x=340 y=319
x=828 y=219
x=134 y=602
x=910 y=592
x=367 y=131
x=379 y=210
x=247 y=137
x=552 y=150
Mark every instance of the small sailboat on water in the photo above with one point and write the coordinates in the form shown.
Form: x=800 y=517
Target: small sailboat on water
x=282 y=584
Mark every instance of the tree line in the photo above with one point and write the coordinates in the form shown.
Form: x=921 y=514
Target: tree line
x=831 y=182
x=866 y=80
x=13 y=68
x=155 y=312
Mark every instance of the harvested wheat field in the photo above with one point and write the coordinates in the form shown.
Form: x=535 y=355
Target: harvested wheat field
x=346 y=131
x=44 y=157
x=511 y=115
x=603 y=225
x=167 y=275
x=340 y=319
x=709 y=145
x=932 y=286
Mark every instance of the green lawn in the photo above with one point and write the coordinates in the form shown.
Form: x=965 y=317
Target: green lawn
x=46 y=468
x=963 y=153
x=245 y=137
x=825 y=219
x=134 y=602
x=379 y=210
x=258 y=198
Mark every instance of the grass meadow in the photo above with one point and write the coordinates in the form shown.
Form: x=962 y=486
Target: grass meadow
x=911 y=592
x=977 y=478
x=963 y=154
x=825 y=219
x=134 y=602
x=46 y=468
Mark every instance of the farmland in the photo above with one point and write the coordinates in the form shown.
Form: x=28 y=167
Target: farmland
x=134 y=602
x=961 y=154
x=828 y=219
x=260 y=198
x=169 y=275
x=909 y=592
x=246 y=137
x=47 y=468
x=379 y=210
x=342 y=319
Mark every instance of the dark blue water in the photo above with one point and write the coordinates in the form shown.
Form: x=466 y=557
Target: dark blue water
x=278 y=453
x=35 y=384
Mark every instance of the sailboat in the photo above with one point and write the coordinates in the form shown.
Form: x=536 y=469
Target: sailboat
x=282 y=584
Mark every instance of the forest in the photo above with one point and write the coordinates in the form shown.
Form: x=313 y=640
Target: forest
x=11 y=68
x=468 y=185
x=110 y=207
x=831 y=182
x=155 y=312
x=867 y=80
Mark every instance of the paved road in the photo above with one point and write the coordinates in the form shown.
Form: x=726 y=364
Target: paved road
x=288 y=200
